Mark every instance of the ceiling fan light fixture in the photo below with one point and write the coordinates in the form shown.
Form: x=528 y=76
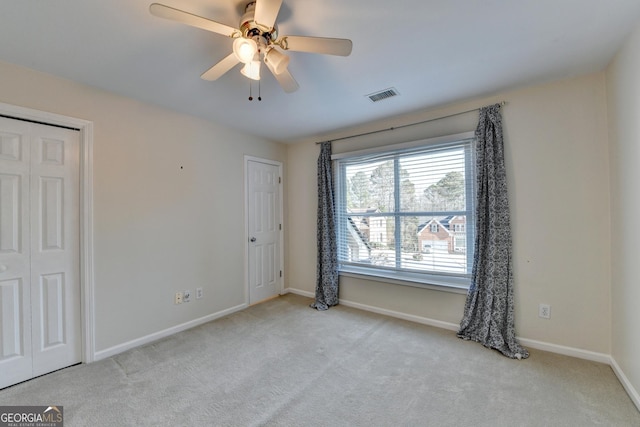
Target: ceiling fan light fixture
x=251 y=70
x=256 y=38
x=276 y=61
x=245 y=49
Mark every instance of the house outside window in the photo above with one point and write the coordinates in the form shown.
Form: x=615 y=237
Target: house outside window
x=417 y=202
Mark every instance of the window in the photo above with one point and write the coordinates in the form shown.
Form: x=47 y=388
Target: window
x=405 y=213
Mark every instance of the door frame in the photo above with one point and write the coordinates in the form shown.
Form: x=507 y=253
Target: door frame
x=87 y=304
x=248 y=159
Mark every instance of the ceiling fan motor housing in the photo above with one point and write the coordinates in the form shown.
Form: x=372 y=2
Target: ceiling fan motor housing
x=250 y=28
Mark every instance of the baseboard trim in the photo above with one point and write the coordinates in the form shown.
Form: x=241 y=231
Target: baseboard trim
x=384 y=311
x=112 y=351
x=631 y=391
x=566 y=351
x=298 y=292
x=400 y=315
x=539 y=345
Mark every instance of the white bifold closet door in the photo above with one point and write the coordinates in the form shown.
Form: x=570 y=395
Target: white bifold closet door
x=40 y=329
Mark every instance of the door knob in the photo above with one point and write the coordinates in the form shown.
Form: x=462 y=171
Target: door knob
x=253 y=239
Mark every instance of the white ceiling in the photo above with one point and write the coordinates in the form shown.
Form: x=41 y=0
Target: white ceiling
x=433 y=52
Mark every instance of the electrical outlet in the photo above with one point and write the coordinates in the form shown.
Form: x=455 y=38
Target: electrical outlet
x=186 y=296
x=199 y=293
x=544 y=311
x=178 y=299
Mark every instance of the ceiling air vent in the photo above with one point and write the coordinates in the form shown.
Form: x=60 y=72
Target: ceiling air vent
x=383 y=94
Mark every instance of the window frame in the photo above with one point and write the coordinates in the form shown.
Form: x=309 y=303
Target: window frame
x=452 y=282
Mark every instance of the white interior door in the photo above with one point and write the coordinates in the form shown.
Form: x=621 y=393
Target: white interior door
x=15 y=263
x=264 y=228
x=39 y=250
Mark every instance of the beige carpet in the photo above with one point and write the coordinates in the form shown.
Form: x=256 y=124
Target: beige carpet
x=283 y=364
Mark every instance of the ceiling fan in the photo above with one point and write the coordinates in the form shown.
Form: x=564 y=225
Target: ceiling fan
x=256 y=39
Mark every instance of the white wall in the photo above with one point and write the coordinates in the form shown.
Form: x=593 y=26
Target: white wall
x=623 y=91
x=158 y=228
x=558 y=171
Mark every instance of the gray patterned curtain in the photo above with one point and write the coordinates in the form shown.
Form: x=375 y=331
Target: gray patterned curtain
x=488 y=313
x=327 y=270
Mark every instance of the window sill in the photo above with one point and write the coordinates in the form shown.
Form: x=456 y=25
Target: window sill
x=443 y=284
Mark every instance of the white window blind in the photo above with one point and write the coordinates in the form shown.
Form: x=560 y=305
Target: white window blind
x=406 y=212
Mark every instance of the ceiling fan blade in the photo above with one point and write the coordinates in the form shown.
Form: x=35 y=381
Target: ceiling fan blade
x=220 y=68
x=267 y=12
x=167 y=12
x=327 y=46
x=286 y=80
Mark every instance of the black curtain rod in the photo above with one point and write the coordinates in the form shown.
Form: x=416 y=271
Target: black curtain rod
x=404 y=126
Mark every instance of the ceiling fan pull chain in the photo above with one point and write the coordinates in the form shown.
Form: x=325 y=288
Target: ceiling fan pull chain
x=259 y=97
x=250 y=96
